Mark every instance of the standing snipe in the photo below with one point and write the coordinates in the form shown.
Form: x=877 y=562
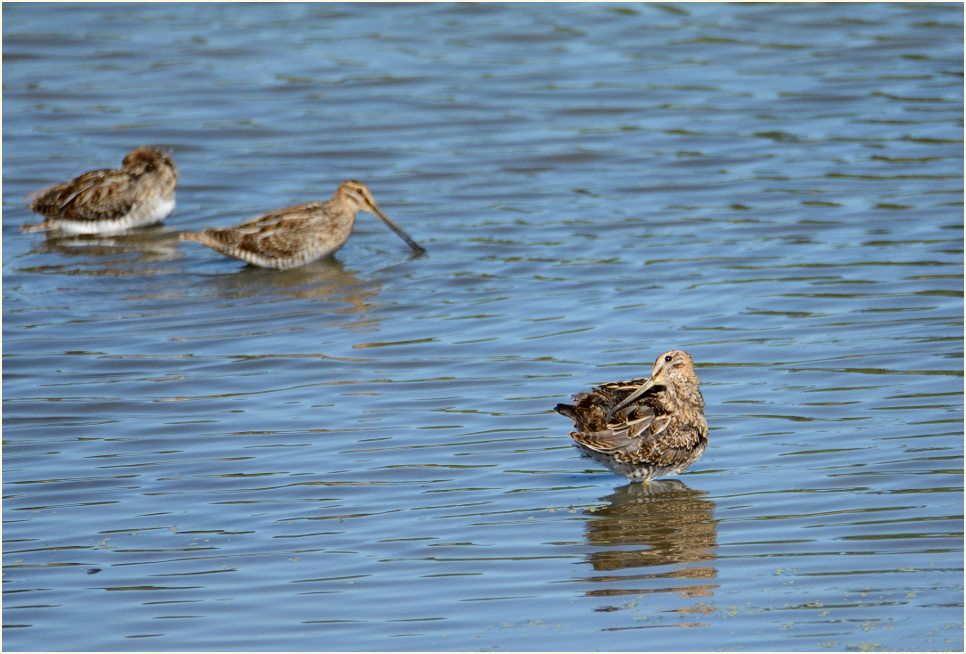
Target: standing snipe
x=107 y=201
x=294 y=236
x=643 y=428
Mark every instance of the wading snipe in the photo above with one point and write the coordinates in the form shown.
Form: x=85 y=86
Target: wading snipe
x=108 y=201
x=643 y=428
x=294 y=236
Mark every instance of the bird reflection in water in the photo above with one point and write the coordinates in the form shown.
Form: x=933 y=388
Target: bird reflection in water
x=342 y=292
x=134 y=253
x=662 y=525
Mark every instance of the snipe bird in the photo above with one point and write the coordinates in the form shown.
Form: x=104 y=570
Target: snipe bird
x=108 y=201
x=643 y=428
x=294 y=236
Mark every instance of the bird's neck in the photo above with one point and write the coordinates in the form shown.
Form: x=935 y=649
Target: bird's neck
x=674 y=399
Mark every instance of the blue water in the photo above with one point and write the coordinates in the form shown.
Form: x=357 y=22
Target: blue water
x=361 y=454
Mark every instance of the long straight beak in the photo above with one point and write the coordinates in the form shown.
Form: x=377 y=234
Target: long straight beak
x=376 y=211
x=646 y=386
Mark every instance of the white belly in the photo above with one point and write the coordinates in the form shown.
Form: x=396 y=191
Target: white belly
x=141 y=214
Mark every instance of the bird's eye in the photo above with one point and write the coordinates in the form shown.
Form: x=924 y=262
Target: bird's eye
x=667 y=358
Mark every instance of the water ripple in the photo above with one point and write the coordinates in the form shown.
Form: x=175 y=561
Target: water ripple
x=362 y=453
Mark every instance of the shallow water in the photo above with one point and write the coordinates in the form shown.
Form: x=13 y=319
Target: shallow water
x=361 y=454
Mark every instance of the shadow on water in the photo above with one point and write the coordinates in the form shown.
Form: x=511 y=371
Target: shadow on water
x=663 y=526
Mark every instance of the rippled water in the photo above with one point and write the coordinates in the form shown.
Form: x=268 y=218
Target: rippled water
x=361 y=454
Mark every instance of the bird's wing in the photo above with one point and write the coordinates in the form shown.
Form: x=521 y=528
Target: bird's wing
x=277 y=244
x=607 y=441
x=96 y=195
x=592 y=411
x=284 y=218
x=618 y=390
x=655 y=444
x=276 y=233
x=624 y=435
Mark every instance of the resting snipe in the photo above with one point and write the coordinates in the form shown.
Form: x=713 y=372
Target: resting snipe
x=643 y=428
x=107 y=201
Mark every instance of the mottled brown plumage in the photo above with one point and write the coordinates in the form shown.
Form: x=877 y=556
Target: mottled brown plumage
x=294 y=236
x=107 y=201
x=643 y=428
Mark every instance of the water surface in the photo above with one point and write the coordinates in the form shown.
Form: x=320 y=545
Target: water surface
x=361 y=454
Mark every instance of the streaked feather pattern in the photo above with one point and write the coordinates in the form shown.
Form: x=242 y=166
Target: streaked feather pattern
x=643 y=428
x=107 y=200
x=293 y=236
